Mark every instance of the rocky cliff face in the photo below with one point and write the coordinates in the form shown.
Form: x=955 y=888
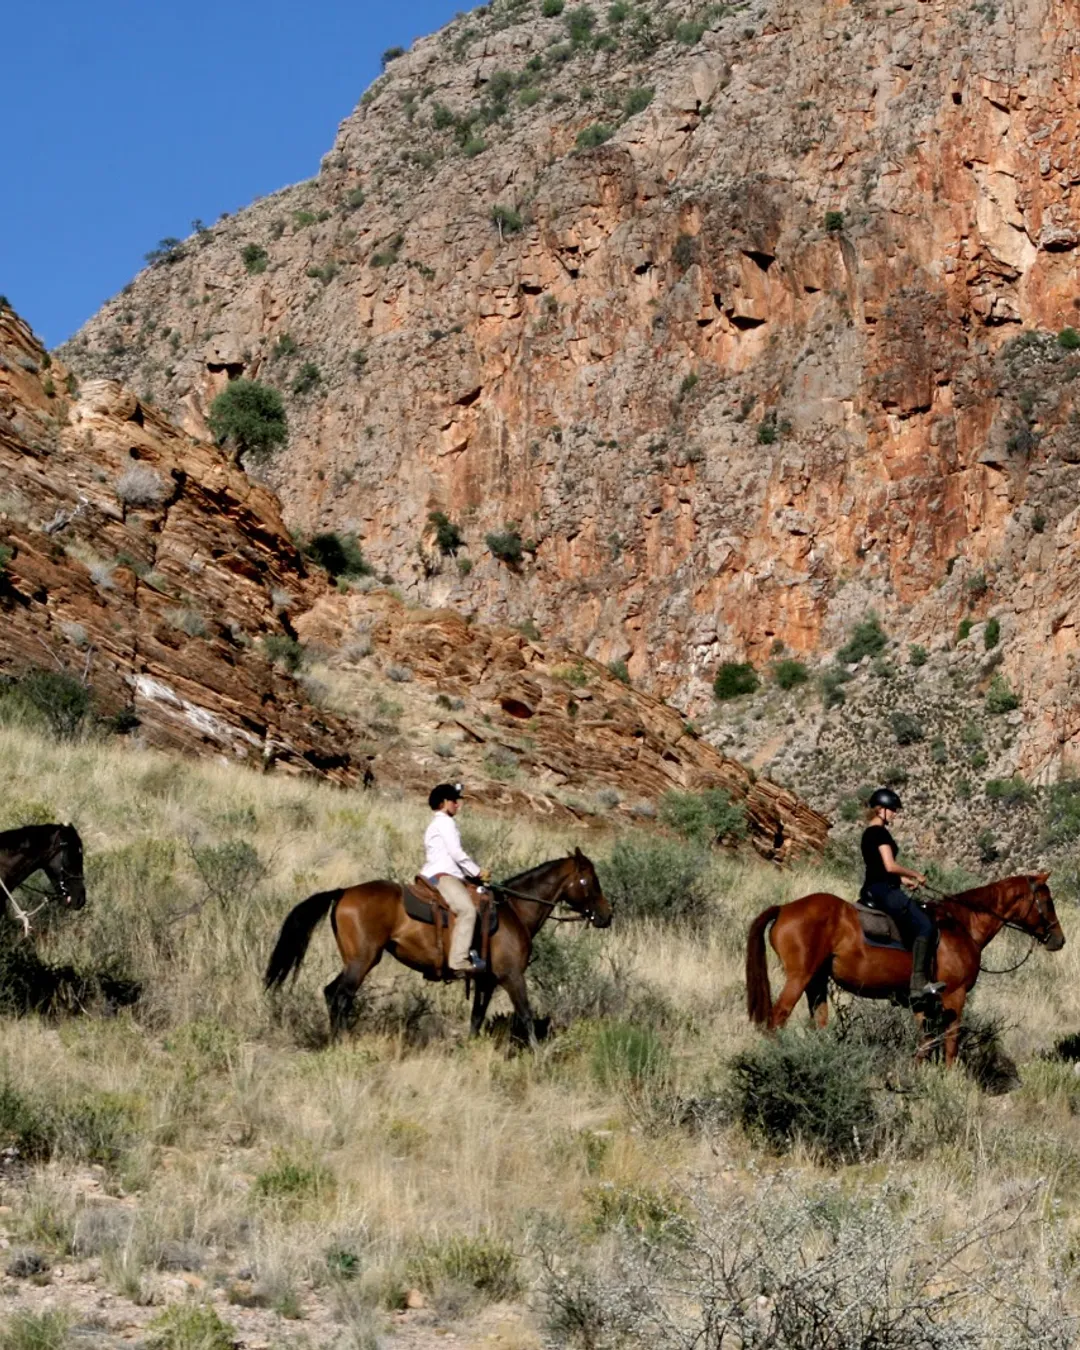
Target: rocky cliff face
x=144 y=565
x=744 y=318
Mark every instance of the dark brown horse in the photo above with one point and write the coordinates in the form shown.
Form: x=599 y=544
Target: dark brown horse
x=370 y=919
x=819 y=938
x=55 y=850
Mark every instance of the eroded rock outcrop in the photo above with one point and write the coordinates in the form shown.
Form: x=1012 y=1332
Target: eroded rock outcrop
x=145 y=564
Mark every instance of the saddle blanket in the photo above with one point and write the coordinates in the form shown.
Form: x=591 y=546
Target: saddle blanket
x=423 y=910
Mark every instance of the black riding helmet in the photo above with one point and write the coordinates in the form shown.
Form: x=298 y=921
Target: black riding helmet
x=887 y=799
x=444 y=792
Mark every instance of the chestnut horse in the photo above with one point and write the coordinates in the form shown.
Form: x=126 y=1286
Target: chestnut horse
x=370 y=919
x=819 y=938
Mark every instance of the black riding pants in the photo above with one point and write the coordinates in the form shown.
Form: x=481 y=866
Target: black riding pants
x=910 y=917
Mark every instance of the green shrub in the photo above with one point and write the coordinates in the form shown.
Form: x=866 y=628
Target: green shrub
x=832 y=681
x=285 y=346
x=963 y=630
x=255 y=258
x=448 y=536
x=789 y=673
x=637 y=100
x=580 y=23
x=391 y=54
x=655 y=879
x=190 y=1326
x=290 y=1180
x=250 y=416
x=626 y=1054
x=324 y=272
x=284 y=650
x=906 y=727
x=507 y=220
x=1069 y=338
x=46 y=1330
x=473 y=146
x=991 y=633
x=733 y=679
x=169 y=250
x=306 y=378
x=917 y=656
x=688 y=383
x=834 y=221
x=809 y=1088
x=1061 y=816
x=703 y=817
x=684 y=252
x=551 y=9
x=620 y=670
x=441 y=117
x=571 y=981
x=767 y=432
x=1014 y=791
x=6 y=555
x=689 y=33
x=52 y=699
x=591 y=137
x=618 y=13
x=1000 y=697
x=340 y=555
x=506 y=545
x=354 y=200
x=484 y=1264
x=230 y=871
x=867 y=639
x=987 y=847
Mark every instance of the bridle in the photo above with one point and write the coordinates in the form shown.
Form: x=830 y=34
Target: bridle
x=1039 y=936
x=585 y=915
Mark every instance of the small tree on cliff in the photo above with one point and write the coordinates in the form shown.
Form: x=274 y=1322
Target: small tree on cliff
x=250 y=417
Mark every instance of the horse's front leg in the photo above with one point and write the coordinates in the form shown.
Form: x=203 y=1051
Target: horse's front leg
x=514 y=984
x=482 y=994
x=953 y=1005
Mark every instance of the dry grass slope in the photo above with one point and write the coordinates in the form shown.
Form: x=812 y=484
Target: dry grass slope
x=202 y=1160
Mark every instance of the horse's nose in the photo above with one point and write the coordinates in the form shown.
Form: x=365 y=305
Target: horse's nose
x=1055 y=941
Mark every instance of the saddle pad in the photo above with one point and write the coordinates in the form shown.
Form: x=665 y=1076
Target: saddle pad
x=879 y=929
x=421 y=911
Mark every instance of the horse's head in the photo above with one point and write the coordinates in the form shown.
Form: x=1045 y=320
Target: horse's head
x=1033 y=910
x=64 y=866
x=582 y=892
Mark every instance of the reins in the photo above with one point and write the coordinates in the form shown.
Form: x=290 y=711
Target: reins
x=1005 y=923
x=500 y=889
x=20 y=913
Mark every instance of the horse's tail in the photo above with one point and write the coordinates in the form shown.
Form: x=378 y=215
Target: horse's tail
x=758 y=993
x=292 y=944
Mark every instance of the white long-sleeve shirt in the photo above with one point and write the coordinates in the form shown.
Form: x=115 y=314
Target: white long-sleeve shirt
x=443 y=850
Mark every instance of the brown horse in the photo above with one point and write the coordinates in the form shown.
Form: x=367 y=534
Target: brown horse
x=55 y=850
x=819 y=938
x=370 y=919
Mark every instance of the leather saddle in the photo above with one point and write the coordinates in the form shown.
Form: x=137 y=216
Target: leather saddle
x=879 y=929
x=423 y=902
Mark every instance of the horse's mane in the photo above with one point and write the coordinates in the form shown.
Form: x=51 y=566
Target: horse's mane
x=531 y=873
x=967 y=899
x=27 y=834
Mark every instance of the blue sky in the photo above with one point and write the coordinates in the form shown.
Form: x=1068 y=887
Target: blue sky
x=125 y=120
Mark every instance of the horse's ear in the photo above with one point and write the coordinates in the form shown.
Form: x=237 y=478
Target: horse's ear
x=1041 y=877
x=579 y=855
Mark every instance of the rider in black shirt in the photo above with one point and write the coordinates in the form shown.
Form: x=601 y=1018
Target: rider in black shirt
x=881 y=890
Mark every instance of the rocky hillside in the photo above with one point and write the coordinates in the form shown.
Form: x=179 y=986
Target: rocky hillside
x=736 y=321
x=141 y=564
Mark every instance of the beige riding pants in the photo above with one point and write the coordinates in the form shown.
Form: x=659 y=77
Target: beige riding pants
x=456 y=895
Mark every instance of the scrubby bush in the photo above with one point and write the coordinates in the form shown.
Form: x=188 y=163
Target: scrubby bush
x=906 y=727
x=591 y=137
x=354 y=199
x=306 y=379
x=1014 y=791
x=52 y=699
x=1061 y=816
x=506 y=545
x=1069 y=339
x=789 y=673
x=991 y=633
x=551 y=9
x=190 y=1326
x=141 y=485
x=684 y=252
x=255 y=258
x=340 y=555
x=832 y=686
x=27 y=1330
x=627 y=1054
x=867 y=639
x=284 y=650
x=963 y=630
x=834 y=221
x=620 y=670
x=251 y=417
x=571 y=981
x=169 y=250
x=285 y=346
x=733 y=679
x=703 y=817
x=580 y=23
x=483 y=1264
x=391 y=54
x=917 y=656
x=654 y=879
x=507 y=220
x=229 y=871
x=636 y=100
x=1000 y=697
x=812 y=1089
x=448 y=536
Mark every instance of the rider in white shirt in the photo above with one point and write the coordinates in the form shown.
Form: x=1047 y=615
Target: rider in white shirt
x=447 y=865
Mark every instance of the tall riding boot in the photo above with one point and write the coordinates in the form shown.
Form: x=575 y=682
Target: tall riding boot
x=923 y=984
